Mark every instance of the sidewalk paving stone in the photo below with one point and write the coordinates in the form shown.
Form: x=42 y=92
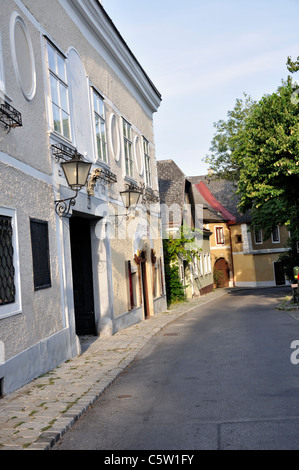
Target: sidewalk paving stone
x=37 y=415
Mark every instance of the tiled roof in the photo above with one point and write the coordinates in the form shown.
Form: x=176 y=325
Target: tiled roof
x=225 y=192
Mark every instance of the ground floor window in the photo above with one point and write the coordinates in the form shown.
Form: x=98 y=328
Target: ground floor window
x=10 y=283
x=7 y=270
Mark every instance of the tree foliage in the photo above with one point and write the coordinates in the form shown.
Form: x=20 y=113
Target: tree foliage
x=175 y=247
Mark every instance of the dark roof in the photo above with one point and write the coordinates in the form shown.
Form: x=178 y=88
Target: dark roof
x=225 y=192
x=172 y=182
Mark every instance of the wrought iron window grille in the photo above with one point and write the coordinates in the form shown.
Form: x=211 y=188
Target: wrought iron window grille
x=63 y=152
x=9 y=116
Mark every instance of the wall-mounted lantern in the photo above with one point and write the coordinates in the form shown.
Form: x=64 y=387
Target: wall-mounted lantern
x=76 y=172
x=131 y=197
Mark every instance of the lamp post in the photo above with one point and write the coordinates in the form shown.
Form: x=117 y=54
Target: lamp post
x=76 y=172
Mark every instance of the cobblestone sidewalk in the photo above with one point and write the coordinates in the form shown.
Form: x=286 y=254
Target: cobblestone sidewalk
x=37 y=415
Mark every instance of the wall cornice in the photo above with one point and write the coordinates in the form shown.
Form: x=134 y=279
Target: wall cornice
x=98 y=28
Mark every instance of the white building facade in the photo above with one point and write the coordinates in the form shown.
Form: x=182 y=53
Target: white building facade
x=70 y=87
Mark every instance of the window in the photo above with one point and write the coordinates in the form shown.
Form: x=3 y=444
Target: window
x=195 y=268
x=40 y=254
x=7 y=271
x=10 y=283
x=219 y=236
x=275 y=235
x=258 y=237
x=209 y=263
x=127 y=130
x=200 y=265
x=147 y=163
x=59 y=92
x=205 y=262
x=100 y=126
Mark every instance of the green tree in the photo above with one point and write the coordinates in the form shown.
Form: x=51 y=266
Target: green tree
x=261 y=154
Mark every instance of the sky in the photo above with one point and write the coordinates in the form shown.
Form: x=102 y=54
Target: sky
x=203 y=55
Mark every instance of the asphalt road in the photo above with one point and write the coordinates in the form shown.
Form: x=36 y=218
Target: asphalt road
x=218 y=378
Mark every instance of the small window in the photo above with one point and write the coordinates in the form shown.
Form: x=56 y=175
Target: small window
x=40 y=254
x=99 y=126
x=127 y=132
x=238 y=238
x=59 y=92
x=219 y=236
x=275 y=234
x=147 y=163
x=258 y=237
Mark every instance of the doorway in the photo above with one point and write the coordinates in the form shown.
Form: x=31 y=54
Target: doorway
x=221 y=266
x=279 y=273
x=82 y=276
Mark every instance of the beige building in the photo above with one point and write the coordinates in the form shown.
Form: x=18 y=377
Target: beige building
x=71 y=90
x=241 y=257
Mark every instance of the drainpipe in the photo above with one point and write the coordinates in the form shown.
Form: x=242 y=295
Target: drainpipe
x=231 y=250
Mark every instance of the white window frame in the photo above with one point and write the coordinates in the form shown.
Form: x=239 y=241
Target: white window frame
x=200 y=265
x=63 y=83
x=209 y=263
x=101 y=145
x=16 y=307
x=147 y=162
x=278 y=233
x=260 y=232
x=195 y=267
x=128 y=149
x=205 y=264
x=221 y=230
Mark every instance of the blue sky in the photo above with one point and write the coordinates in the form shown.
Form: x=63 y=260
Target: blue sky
x=202 y=55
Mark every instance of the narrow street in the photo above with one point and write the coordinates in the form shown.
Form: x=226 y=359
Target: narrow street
x=219 y=377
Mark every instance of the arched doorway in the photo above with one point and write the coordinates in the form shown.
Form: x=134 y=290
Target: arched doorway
x=221 y=273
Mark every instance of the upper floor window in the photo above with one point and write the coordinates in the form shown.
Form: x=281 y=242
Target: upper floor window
x=59 y=92
x=219 y=236
x=258 y=237
x=128 y=146
x=275 y=234
x=100 y=126
x=147 y=163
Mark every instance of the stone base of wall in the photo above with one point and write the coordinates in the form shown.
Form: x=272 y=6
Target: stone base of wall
x=206 y=290
x=37 y=360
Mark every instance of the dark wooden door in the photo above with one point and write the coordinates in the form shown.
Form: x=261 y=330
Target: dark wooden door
x=82 y=276
x=279 y=274
x=144 y=290
x=221 y=265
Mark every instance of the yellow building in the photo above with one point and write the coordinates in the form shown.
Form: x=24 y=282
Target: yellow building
x=241 y=256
